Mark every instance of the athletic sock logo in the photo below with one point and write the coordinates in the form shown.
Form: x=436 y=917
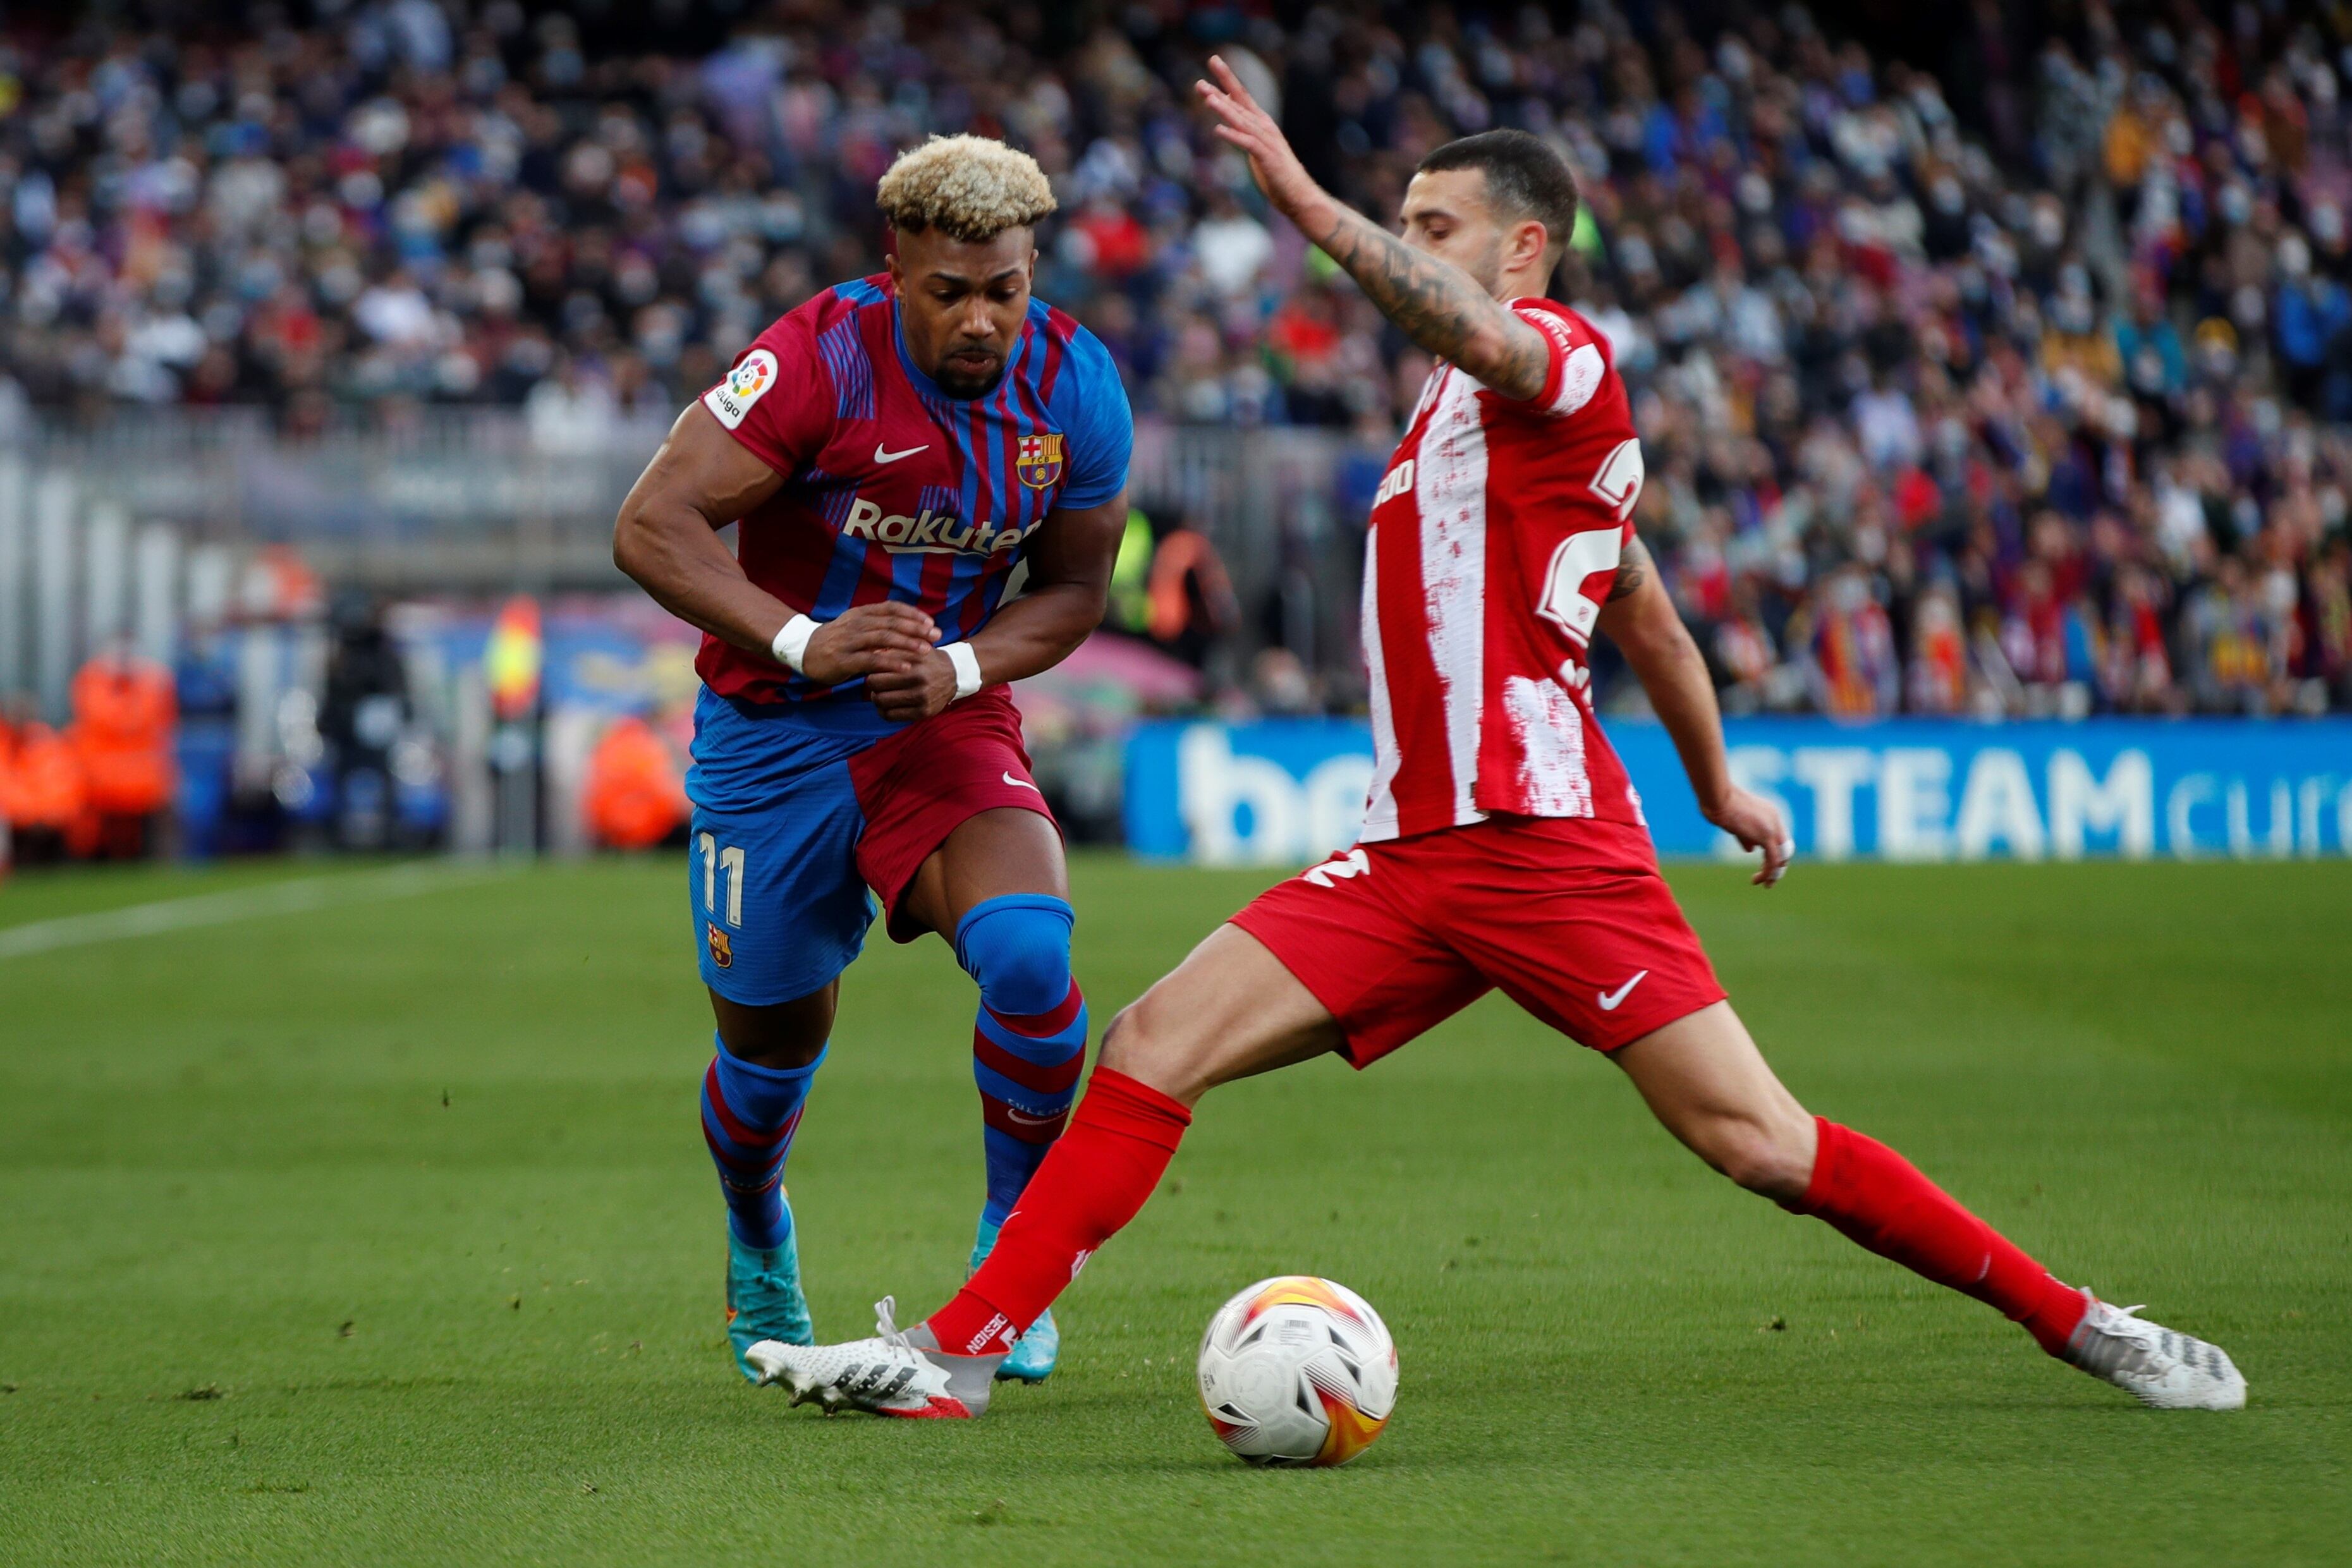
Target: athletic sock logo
x=978 y=1345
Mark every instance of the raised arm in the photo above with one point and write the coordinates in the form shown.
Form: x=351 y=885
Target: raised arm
x=1070 y=558
x=1641 y=620
x=1433 y=302
x=667 y=540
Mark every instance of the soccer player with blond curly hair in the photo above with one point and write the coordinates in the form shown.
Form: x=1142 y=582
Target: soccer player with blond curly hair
x=891 y=450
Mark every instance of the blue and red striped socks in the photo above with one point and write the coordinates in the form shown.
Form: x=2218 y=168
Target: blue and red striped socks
x=1029 y=1040
x=749 y=1116
x=1027 y=1066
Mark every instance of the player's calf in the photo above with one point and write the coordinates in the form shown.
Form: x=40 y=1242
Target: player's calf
x=1028 y=1047
x=750 y=1114
x=1879 y=1199
x=1763 y=1154
x=1706 y=1080
x=1029 y=1040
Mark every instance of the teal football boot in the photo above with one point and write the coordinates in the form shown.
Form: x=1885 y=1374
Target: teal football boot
x=764 y=1296
x=1036 y=1352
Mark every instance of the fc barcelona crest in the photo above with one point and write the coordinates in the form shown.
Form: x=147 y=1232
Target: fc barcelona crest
x=723 y=951
x=1039 y=460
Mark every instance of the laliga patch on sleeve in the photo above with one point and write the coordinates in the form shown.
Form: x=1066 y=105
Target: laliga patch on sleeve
x=731 y=399
x=1555 y=328
x=1581 y=369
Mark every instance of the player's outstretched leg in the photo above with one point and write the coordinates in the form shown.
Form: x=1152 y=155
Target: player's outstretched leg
x=1092 y=1183
x=1229 y=1011
x=1706 y=1082
x=749 y=1116
x=1028 y=1045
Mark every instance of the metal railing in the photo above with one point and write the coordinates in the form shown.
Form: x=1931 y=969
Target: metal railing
x=444 y=475
x=477 y=500
x=455 y=499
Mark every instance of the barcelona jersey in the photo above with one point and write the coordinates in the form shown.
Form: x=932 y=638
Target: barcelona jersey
x=894 y=490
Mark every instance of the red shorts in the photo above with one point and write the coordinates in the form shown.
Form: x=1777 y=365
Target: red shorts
x=1568 y=916
x=923 y=783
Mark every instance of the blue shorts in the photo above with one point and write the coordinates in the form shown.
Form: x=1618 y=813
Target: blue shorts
x=801 y=808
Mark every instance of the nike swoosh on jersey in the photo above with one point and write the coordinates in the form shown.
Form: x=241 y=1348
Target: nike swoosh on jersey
x=1020 y=783
x=1609 y=1000
x=880 y=456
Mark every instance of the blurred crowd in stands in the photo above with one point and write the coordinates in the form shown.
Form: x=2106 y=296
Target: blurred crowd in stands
x=2018 y=387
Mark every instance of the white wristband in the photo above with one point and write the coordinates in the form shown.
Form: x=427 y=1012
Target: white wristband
x=791 y=645
x=967 y=668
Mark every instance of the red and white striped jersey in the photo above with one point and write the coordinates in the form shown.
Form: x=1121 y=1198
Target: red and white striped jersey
x=1493 y=540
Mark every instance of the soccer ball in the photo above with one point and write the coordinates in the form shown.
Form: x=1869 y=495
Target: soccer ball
x=1298 y=1370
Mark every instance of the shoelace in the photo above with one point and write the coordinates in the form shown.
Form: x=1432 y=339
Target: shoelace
x=2116 y=1349
x=886 y=1325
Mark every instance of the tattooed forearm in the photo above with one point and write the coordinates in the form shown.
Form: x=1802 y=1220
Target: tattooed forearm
x=1438 y=305
x=1632 y=570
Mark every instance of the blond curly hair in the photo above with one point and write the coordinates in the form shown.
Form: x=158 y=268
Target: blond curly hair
x=969 y=188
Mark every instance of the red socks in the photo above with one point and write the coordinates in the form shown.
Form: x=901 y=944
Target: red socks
x=1098 y=1174
x=1124 y=1132
x=1879 y=1200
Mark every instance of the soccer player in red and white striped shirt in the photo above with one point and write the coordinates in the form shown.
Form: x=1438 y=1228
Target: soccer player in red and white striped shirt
x=1503 y=845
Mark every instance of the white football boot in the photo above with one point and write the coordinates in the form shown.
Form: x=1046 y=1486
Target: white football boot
x=889 y=1374
x=2157 y=1366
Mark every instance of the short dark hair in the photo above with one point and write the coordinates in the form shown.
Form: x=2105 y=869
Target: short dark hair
x=1525 y=178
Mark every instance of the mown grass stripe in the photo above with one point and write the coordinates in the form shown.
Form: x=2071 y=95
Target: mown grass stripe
x=301 y=896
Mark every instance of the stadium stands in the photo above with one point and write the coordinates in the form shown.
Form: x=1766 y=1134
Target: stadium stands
x=2018 y=391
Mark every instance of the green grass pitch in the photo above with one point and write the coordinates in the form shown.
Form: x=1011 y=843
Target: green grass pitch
x=359 y=1215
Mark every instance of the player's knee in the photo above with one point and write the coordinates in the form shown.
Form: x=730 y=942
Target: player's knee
x=1757 y=1156
x=786 y=1036
x=779 y=1038
x=1117 y=1041
x=1135 y=1048
x=1153 y=1041
x=1018 y=948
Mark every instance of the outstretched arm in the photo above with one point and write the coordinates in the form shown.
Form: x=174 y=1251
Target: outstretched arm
x=666 y=538
x=1641 y=620
x=1433 y=302
x=1070 y=559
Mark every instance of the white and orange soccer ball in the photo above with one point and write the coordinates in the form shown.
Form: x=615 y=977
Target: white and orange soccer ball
x=1298 y=1370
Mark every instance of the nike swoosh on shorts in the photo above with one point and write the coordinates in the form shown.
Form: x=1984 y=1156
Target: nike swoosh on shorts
x=1609 y=1000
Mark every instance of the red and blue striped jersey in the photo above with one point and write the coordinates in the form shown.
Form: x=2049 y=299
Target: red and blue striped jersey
x=892 y=488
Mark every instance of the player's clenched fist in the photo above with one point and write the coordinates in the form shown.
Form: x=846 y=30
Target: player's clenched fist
x=869 y=639
x=916 y=692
